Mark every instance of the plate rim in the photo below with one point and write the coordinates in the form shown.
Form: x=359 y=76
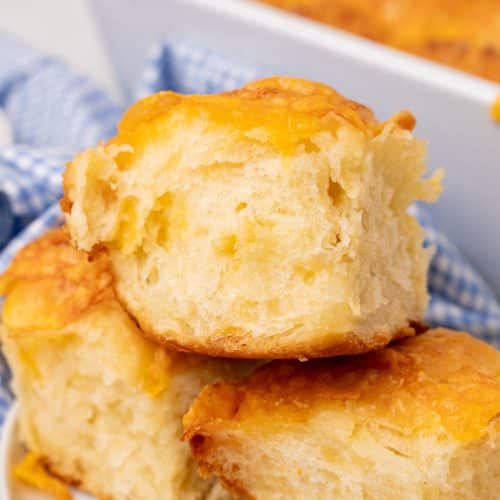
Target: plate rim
x=9 y=439
x=6 y=441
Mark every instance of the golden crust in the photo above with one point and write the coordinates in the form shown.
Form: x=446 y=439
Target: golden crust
x=258 y=103
x=458 y=33
x=438 y=380
x=441 y=382
x=235 y=344
x=50 y=283
x=310 y=107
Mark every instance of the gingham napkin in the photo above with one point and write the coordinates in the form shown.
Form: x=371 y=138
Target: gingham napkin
x=53 y=112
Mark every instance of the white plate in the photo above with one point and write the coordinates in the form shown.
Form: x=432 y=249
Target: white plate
x=12 y=452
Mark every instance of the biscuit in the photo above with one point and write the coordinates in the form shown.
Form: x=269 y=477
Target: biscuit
x=267 y=222
x=419 y=419
x=461 y=34
x=100 y=406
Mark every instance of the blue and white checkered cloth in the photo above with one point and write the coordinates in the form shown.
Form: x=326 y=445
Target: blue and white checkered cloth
x=55 y=112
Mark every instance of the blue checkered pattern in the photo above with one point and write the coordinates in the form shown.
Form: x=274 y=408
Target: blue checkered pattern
x=190 y=69
x=54 y=112
x=460 y=298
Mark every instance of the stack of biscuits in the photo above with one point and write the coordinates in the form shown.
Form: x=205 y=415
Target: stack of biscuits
x=234 y=310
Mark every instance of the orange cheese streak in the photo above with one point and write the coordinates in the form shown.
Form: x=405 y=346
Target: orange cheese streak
x=308 y=106
x=32 y=472
x=495 y=110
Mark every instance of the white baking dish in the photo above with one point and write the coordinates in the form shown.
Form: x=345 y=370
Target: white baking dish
x=451 y=107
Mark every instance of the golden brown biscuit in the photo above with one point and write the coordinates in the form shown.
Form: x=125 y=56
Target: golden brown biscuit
x=268 y=222
x=100 y=405
x=463 y=34
x=419 y=419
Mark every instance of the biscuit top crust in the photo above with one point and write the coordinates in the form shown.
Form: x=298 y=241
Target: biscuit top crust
x=308 y=107
x=280 y=112
x=437 y=380
x=49 y=283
